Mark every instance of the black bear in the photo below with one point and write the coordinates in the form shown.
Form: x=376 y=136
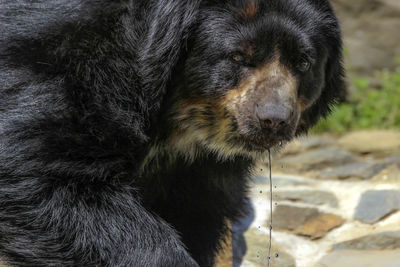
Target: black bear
x=129 y=128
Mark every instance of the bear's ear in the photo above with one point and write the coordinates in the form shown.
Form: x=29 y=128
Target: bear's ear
x=168 y=24
x=334 y=89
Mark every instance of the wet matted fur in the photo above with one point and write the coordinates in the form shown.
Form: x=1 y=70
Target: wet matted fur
x=128 y=128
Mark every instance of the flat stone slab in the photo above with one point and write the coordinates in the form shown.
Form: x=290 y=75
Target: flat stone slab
x=317 y=159
x=362 y=170
x=311 y=197
x=281 y=181
x=318 y=226
x=307 y=222
x=384 y=240
x=289 y=218
x=257 y=251
x=390 y=174
x=376 y=204
x=357 y=258
x=366 y=142
x=304 y=143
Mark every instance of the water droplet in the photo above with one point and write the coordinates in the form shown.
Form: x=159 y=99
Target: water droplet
x=276 y=255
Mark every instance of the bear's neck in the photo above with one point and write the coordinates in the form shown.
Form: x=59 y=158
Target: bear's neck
x=183 y=178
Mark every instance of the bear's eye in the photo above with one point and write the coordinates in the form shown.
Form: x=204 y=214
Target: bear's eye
x=304 y=66
x=238 y=57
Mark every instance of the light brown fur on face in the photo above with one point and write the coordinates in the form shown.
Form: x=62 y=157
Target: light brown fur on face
x=250 y=11
x=218 y=123
x=274 y=73
x=272 y=82
x=203 y=122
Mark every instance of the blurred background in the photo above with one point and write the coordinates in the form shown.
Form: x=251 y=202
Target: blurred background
x=337 y=191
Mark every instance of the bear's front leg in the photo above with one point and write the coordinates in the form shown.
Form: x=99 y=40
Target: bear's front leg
x=63 y=223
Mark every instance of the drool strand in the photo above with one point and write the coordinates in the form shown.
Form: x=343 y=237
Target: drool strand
x=270 y=208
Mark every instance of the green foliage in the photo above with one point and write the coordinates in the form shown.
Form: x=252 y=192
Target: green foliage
x=371 y=106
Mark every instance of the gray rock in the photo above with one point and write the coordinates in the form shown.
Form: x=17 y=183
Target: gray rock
x=392 y=160
x=374 y=205
x=357 y=258
x=317 y=159
x=260 y=179
x=290 y=218
x=278 y=180
x=312 y=197
x=363 y=170
x=384 y=240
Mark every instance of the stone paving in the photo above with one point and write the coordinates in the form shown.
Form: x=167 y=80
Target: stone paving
x=336 y=203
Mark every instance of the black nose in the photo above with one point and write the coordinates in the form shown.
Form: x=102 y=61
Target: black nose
x=273 y=116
